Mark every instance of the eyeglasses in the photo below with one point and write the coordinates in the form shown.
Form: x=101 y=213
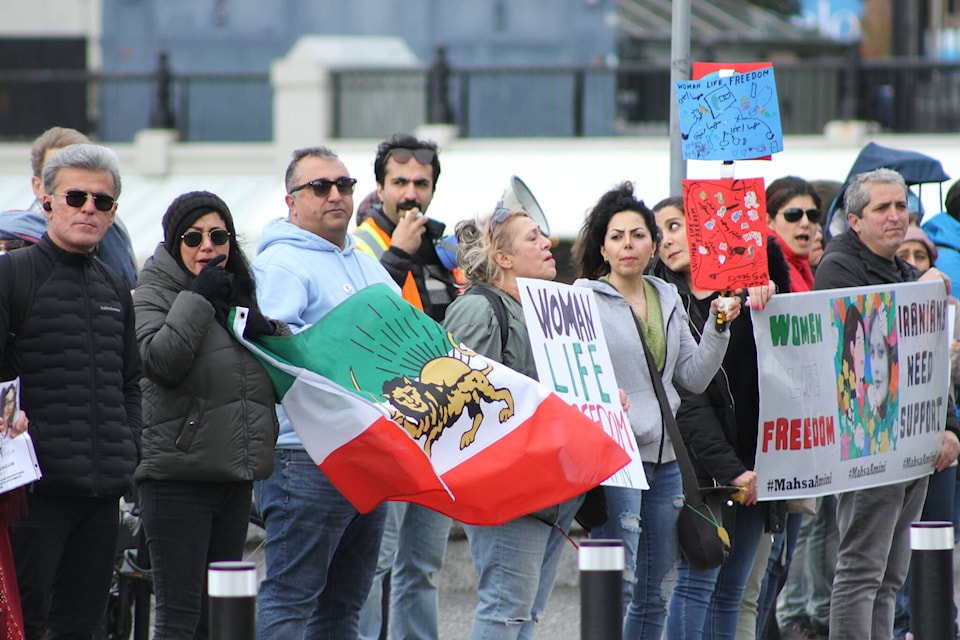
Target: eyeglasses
x=793 y=214
x=77 y=199
x=321 y=186
x=194 y=239
x=423 y=156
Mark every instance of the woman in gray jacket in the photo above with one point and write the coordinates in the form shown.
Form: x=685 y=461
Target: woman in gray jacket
x=615 y=247
x=209 y=424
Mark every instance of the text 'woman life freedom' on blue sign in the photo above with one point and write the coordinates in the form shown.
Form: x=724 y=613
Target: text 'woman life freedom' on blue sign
x=736 y=117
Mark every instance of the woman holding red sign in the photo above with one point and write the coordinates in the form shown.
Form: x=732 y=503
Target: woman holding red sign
x=720 y=432
x=616 y=245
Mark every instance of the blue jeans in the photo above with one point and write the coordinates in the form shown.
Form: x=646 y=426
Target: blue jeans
x=650 y=546
x=320 y=553
x=873 y=557
x=789 y=548
x=413 y=546
x=705 y=603
x=517 y=564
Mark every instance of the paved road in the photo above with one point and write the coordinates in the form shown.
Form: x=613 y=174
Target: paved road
x=458 y=594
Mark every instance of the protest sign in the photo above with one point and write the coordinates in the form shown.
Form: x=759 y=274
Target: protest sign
x=18 y=460
x=572 y=359
x=727 y=233
x=735 y=117
x=703 y=70
x=853 y=388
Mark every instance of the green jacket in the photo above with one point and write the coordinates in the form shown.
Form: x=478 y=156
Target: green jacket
x=208 y=405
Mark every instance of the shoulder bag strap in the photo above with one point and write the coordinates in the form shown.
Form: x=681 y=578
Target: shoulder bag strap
x=691 y=488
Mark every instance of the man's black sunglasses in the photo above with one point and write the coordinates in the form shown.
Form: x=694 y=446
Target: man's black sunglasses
x=77 y=199
x=321 y=186
x=793 y=214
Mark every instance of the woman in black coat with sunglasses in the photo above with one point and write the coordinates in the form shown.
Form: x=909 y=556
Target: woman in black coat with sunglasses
x=209 y=424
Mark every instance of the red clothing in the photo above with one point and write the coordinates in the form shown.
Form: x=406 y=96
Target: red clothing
x=12 y=506
x=801 y=275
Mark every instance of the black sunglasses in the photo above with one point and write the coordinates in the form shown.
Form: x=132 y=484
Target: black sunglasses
x=321 y=186
x=194 y=239
x=76 y=199
x=793 y=214
x=423 y=156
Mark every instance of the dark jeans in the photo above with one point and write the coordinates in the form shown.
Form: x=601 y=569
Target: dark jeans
x=188 y=525
x=64 y=552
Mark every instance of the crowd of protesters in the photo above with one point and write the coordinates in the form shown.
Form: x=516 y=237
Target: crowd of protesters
x=133 y=385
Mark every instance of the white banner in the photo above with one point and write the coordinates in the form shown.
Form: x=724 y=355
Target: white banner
x=853 y=388
x=572 y=359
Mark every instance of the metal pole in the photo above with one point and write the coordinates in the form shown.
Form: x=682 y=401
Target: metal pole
x=931 y=588
x=679 y=71
x=232 y=587
x=601 y=590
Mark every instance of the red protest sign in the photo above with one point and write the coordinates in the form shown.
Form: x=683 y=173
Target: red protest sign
x=726 y=233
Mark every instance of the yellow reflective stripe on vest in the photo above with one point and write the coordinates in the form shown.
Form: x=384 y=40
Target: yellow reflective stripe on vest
x=371 y=239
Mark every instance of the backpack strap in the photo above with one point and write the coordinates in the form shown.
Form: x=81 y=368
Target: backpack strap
x=21 y=290
x=499 y=308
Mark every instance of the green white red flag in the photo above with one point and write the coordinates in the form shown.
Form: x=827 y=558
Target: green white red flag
x=348 y=382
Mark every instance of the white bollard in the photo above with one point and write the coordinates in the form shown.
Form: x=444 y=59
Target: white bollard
x=931 y=588
x=601 y=589
x=232 y=587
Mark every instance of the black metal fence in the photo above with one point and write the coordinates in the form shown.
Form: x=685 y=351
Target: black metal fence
x=903 y=96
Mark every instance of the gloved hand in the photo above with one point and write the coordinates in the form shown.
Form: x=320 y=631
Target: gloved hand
x=213 y=282
x=257 y=325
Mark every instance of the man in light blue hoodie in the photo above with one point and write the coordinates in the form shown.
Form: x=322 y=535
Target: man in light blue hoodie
x=320 y=552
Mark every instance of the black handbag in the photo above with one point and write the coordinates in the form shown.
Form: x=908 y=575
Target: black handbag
x=593 y=512
x=705 y=524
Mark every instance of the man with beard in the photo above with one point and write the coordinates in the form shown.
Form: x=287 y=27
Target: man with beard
x=399 y=235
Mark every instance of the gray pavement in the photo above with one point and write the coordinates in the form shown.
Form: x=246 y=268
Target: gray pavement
x=457 y=584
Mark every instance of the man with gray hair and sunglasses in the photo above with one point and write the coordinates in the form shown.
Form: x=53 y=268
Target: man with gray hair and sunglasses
x=114 y=248
x=320 y=552
x=68 y=330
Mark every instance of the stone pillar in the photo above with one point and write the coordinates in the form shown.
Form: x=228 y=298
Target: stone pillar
x=302 y=103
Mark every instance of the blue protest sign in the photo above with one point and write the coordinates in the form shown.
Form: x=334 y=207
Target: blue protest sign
x=730 y=118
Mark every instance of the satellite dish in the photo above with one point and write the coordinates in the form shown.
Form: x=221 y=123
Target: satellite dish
x=518 y=196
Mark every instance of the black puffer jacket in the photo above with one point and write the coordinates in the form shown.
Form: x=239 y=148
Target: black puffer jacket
x=76 y=355
x=208 y=405
x=719 y=426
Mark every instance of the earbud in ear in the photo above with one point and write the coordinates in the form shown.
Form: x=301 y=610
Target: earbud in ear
x=47 y=207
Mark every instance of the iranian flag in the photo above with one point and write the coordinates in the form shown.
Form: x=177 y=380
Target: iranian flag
x=392 y=407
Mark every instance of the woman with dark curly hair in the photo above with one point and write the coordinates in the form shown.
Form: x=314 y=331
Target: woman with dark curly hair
x=616 y=245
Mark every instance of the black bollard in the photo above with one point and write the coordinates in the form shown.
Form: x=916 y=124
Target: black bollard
x=232 y=587
x=931 y=588
x=601 y=590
